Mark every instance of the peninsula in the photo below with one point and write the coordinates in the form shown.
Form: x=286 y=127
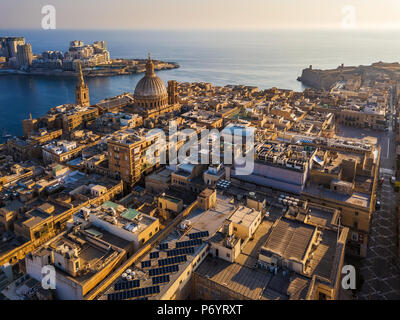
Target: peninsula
x=351 y=75
x=16 y=57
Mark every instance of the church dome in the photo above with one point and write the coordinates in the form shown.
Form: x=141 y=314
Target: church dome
x=150 y=86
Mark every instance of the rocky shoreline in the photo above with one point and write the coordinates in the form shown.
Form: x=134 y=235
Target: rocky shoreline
x=116 y=68
x=326 y=79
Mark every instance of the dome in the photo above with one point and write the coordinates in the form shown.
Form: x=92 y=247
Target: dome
x=150 y=86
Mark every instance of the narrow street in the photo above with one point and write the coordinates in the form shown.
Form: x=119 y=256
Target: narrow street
x=381 y=268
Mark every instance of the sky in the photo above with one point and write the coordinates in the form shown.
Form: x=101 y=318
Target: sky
x=203 y=14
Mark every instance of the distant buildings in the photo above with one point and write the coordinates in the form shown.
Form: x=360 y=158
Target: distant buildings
x=24 y=55
x=19 y=55
x=9 y=46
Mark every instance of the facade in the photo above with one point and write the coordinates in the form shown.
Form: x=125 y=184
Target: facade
x=128 y=156
x=280 y=166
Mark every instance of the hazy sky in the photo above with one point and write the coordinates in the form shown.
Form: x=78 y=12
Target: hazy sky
x=200 y=14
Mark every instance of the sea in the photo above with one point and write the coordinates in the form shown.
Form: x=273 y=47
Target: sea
x=262 y=58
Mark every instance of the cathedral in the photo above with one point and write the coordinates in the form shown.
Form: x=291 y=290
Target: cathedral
x=152 y=97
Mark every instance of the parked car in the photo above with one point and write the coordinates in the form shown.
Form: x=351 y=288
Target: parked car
x=377 y=205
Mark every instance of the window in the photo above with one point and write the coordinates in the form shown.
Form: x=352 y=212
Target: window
x=356 y=213
x=228 y=255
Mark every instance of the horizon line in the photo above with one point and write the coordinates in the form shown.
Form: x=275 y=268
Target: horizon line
x=272 y=28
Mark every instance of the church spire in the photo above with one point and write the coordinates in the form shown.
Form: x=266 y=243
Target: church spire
x=81 y=81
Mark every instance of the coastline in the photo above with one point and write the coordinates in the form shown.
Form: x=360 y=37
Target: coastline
x=95 y=72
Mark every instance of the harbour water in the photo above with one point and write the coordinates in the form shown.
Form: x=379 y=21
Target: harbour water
x=260 y=58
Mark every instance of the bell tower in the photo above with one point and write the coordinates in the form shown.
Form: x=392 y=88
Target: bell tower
x=81 y=90
x=173 y=97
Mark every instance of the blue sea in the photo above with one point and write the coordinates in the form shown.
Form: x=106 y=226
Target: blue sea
x=260 y=58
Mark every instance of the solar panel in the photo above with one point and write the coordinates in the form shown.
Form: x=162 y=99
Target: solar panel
x=163 y=270
x=126 y=285
x=197 y=235
x=161 y=279
x=179 y=252
x=154 y=255
x=146 y=264
x=117 y=296
x=111 y=296
x=189 y=243
x=163 y=246
x=173 y=260
x=142 y=292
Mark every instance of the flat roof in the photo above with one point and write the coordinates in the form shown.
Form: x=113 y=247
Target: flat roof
x=356 y=198
x=244 y=216
x=247 y=282
x=290 y=239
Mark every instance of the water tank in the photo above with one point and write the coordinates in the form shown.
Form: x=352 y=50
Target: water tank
x=129 y=278
x=124 y=275
x=128 y=271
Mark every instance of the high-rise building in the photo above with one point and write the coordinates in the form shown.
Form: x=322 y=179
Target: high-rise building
x=24 y=55
x=13 y=43
x=81 y=90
